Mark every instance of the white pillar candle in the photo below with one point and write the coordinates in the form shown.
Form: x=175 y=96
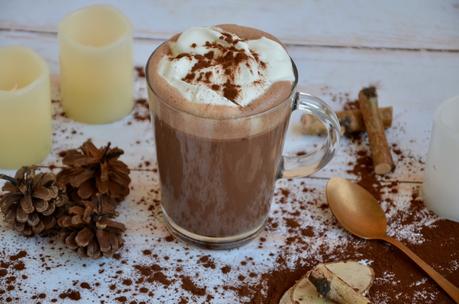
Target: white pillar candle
x=96 y=63
x=25 y=108
x=441 y=180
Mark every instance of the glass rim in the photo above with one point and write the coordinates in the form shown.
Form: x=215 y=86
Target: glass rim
x=292 y=91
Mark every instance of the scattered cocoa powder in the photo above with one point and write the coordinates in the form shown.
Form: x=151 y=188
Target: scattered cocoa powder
x=207 y=262
x=19 y=266
x=308 y=232
x=85 y=285
x=291 y=223
x=146 y=252
x=391 y=267
x=285 y=192
x=439 y=247
x=153 y=273
x=18 y=256
x=300 y=153
x=225 y=269
x=363 y=169
x=183 y=301
x=190 y=286
x=169 y=238
x=70 y=294
x=141 y=110
x=121 y=299
x=140 y=71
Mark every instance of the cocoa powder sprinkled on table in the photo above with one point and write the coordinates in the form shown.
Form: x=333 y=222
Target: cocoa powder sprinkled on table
x=183 y=301
x=19 y=266
x=363 y=169
x=225 y=269
x=207 y=262
x=70 y=294
x=169 y=238
x=291 y=223
x=307 y=232
x=300 y=233
x=141 y=110
x=85 y=285
x=146 y=252
x=190 y=286
x=284 y=191
x=391 y=268
x=18 y=256
x=152 y=273
x=121 y=299
x=300 y=153
x=140 y=71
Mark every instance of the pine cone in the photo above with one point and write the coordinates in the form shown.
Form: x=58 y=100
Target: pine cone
x=91 y=171
x=31 y=201
x=87 y=227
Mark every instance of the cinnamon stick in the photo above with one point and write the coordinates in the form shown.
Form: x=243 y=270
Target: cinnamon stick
x=333 y=287
x=351 y=121
x=380 y=152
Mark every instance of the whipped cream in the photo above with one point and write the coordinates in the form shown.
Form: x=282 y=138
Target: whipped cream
x=210 y=66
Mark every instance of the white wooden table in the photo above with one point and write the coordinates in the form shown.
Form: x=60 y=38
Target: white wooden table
x=409 y=49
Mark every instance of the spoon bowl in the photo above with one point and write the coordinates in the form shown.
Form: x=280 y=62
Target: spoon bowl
x=360 y=214
x=356 y=209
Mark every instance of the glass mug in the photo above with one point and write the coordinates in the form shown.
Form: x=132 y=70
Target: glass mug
x=218 y=175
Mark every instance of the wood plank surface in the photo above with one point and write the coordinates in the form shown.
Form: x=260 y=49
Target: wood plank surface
x=412 y=24
x=408 y=49
x=162 y=262
x=413 y=82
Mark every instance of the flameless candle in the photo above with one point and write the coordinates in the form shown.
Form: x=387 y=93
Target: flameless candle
x=96 y=64
x=441 y=179
x=25 y=108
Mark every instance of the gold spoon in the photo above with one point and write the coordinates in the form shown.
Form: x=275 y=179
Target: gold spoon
x=360 y=214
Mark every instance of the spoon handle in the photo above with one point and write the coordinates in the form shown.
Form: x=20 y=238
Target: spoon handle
x=447 y=286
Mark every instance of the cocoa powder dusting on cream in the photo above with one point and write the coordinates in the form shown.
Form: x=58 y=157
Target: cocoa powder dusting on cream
x=228 y=57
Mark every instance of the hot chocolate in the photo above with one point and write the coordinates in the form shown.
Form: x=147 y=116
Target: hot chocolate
x=220 y=99
x=221 y=72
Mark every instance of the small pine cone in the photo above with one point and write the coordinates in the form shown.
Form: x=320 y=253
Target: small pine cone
x=31 y=201
x=87 y=227
x=91 y=171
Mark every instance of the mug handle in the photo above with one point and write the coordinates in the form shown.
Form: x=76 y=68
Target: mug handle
x=307 y=164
